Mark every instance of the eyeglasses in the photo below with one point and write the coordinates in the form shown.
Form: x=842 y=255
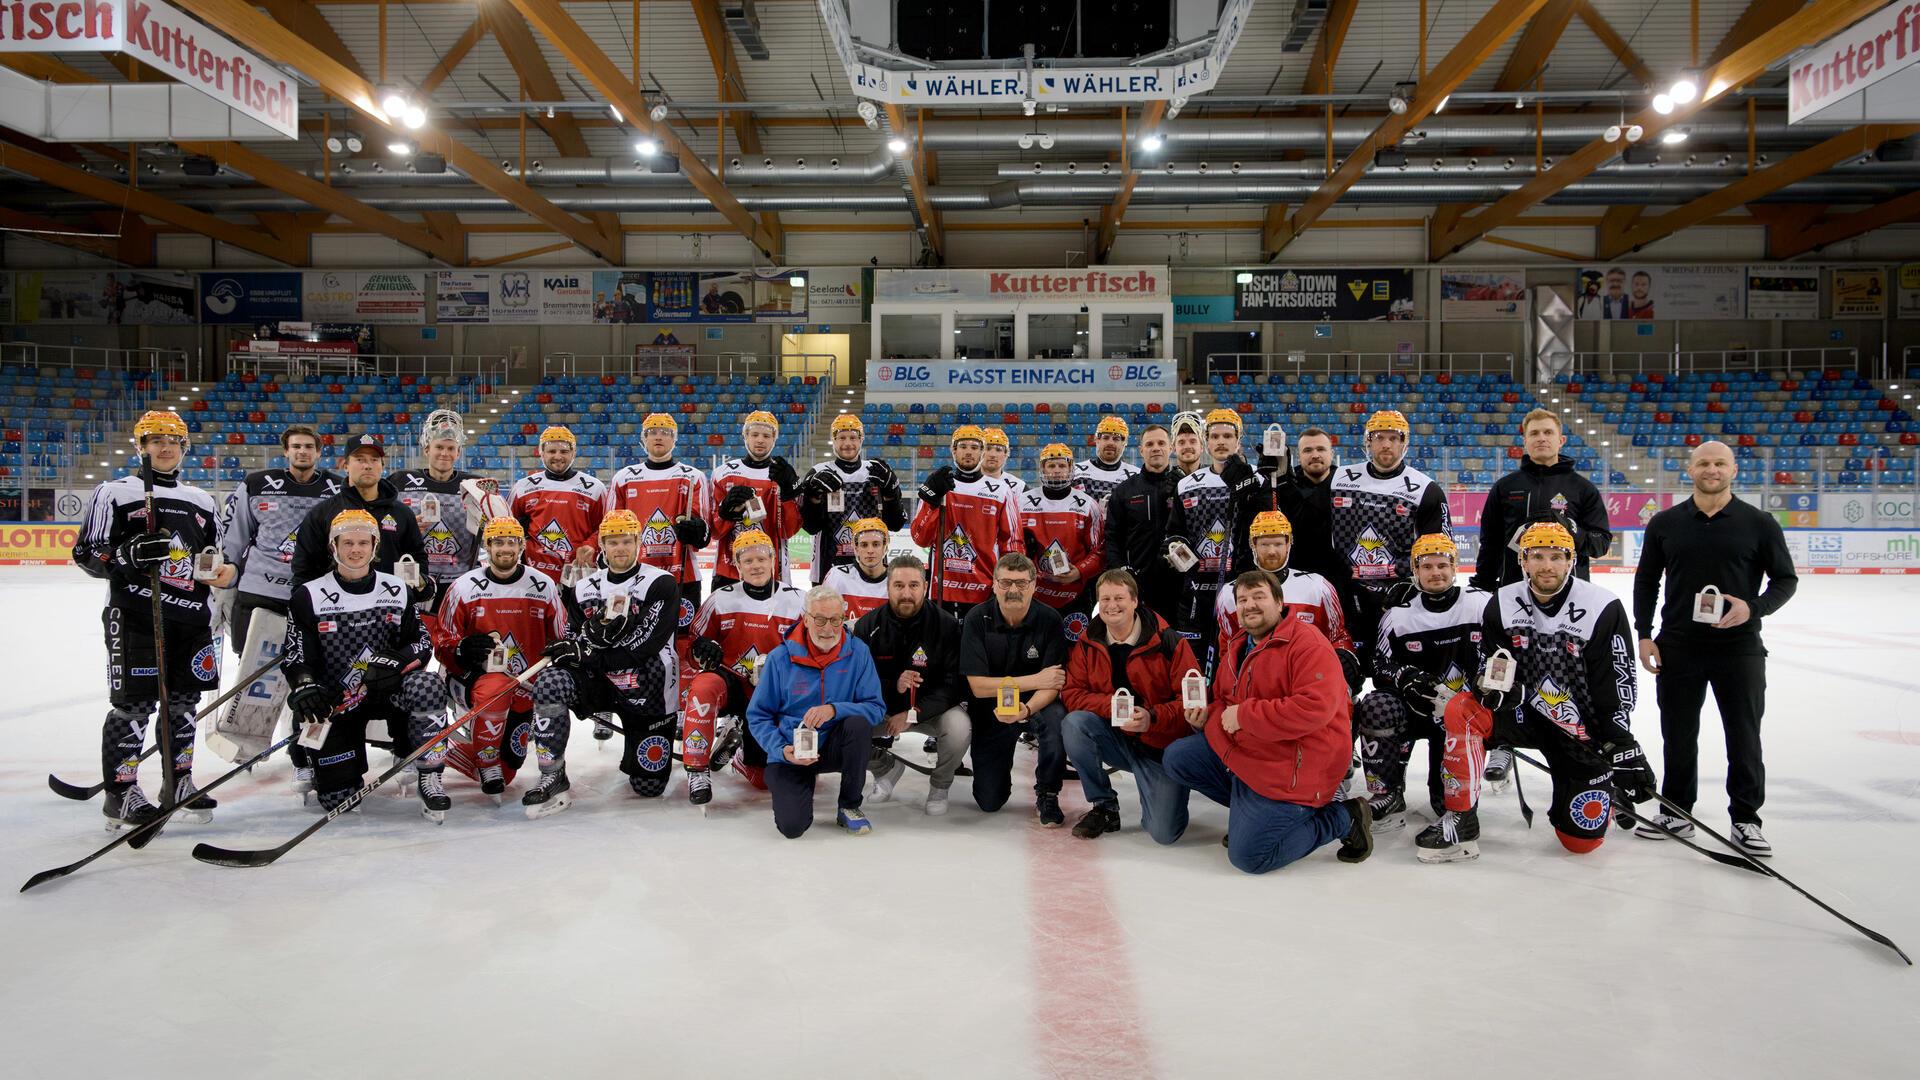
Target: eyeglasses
x=826 y=620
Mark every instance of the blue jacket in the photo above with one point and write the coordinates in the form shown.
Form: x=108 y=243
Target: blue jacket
x=793 y=680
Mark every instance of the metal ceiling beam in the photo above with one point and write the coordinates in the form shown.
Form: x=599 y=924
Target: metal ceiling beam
x=48 y=171
x=1784 y=241
x=1500 y=22
x=455 y=53
x=1809 y=162
x=1813 y=23
x=240 y=21
x=1529 y=55
x=1615 y=44
x=916 y=167
x=580 y=50
x=1151 y=118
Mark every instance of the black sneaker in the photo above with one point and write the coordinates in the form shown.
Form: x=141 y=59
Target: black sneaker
x=1048 y=804
x=1359 y=842
x=1101 y=819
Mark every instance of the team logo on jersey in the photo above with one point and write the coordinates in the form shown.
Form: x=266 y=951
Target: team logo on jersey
x=441 y=542
x=353 y=689
x=654 y=754
x=1214 y=544
x=1590 y=809
x=288 y=545
x=387 y=524
x=177 y=571
x=747 y=664
x=206 y=664
x=1341 y=502
x=1454 y=679
x=1559 y=504
x=959 y=546
x=919 y=657
x=1369 y=554
x=554 y=539
x=1074 y=625
x=516 y=658
x=1556 y=705
x=656 y=536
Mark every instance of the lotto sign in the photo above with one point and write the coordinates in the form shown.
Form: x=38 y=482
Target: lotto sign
x=38 y=542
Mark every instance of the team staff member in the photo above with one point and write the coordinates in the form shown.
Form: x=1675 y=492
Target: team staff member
x=1138 y=511
x=1715 y=539
x=916 y=650
x=1545 y=486
x=1304 y=493
x=1008 y=637
x=365 y=490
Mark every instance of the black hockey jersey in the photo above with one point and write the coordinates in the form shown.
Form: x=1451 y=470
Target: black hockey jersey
x=260 y=527
x=1377 y=517
x=1439 y=635
x=333 y=626
x=1574 y=658
x=1098 y=479
x=117 y=513
x=642 y=663
x=868 y=492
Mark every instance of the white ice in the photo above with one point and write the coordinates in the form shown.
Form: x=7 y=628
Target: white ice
x=636 y=938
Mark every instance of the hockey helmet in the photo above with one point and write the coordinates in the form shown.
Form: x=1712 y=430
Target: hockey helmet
x=347 y=521
x=997 y=437
x=1225 y=416
x=164 y=422
x=619 y=523
x=443 y=424
x=1111 y=425
x=502 y=526
x=558 y=433
x=1269 y=523
x=1435 y=544
x=1388 y=420
x=867 y=525
x=761 y=416
x=1055 y=450
x=659 y=421
x=969 y=431
x=1547 y=534
x=748 y=539
x=1188 y=422
x=847 y=422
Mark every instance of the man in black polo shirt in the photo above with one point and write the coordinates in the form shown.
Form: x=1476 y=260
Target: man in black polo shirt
x=1711 y=539
x=1013 y=655
x=1138 y=510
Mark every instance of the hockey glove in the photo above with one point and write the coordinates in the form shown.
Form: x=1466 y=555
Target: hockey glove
x=1034 y=550
x=311 y=703
x=780 y=471
x=473 y=652
x=734 y=506
x=424 y=595
x=829 y=479
x=1401 y=592
x=691 y=531
x=1632 y=776
x=881 y=474
x=935 y=488
x=385 y=669
x=1498 y=701
x=1238 y=475
x=1351 y=668
x=1417 y=688
x=567 y=652
x=707 y=655
x=144 y=552
x=605 y=633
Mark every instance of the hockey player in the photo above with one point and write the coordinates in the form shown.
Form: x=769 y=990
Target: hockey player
x=968 y=521
x=1427 y=650
x=738 y=482
x=619 y=647
x=865 y=487
x=1304 y=596
x=134 y=555
x=863 y=582
x=438 y=495
x=1379 y=507
x=1104 y=471
x=1212 y=509
x=746 y=620
x=672 y=501
x=260 y=526
x=356 y=652
x=493 y=623
x=559 y=507
x=1572 y=696
x=1189 y=441
x=993 y=459
x=365 y=490
x=1063 y=530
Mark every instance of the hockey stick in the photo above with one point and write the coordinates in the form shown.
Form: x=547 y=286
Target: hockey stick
x=82 y=794
x=220 y=856
x=1716 y=856
x=163 y=706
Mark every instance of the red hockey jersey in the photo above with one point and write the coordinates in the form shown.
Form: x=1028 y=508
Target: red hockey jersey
x=781 y=522
x=981 y=522
x=747 y=627
x=525 y=612
x=860 y=594
x=1074 y=526
x=1305 y=596
x=561 y=515
x=657 y=493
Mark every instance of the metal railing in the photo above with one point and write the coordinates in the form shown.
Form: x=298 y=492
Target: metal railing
x=678 y=360
x=1909 y=361
x=1680 y=361
x=169 y=364
x=487 y=368
x=1302 y=362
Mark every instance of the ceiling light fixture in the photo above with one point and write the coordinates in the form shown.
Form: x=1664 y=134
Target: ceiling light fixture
x=1151 y=143
x=1673 y=137
x=1662 y=104
x=896 y=146
x=657 y=114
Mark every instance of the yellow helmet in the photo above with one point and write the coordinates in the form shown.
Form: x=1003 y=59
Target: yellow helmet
x=347 y=521
x=1435 y=544
x=1055 y=450
x=1388 y=420
x=1547 y=534
x=619 y=523
x=847 y=422
x=502 y=526
x=969 y=431
x=1269 y=523
x=761 y=416
x=1111 y=425
x=751 y=538
x=660 y=420
x=1225 y=416
x=867 y=525
x=558 y=433
x=997 y=437
x=160 y=422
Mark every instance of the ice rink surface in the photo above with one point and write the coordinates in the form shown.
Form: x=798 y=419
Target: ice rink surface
x=634 y=937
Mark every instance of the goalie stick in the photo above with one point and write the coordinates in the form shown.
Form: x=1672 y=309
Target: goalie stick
x=219 y=856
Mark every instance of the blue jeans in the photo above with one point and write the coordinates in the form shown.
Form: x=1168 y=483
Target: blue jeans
x=1093 y=744
x=1263 y=834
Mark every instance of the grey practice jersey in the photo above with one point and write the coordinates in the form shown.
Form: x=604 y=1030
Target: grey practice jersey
x=334 y=626
x=1377 y=518
x=260 y=527
x=452 y=544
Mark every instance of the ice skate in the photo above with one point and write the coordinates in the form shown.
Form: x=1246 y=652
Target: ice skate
x=1389 y=812
x=700 y=788
x=434 y=803
x=1499 y=771
x=493 y=783
x=1454 y=838
x=193 y=806
x=302 y=780
x=601 y=732
x=550 y=796
x=128 y=806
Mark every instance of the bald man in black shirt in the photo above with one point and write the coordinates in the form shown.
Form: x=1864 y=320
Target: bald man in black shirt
x=1712 y=539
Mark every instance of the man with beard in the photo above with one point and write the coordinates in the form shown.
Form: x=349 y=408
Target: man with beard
x=916 y=650
x=261 y=525
x=1063 y=530
x=1189 y=442
x=560 y=508
x=846 y=489
x=1304 y=493
x=1104 y=471
x=1211 y=512
x=1137 y=513
x=1379 y=507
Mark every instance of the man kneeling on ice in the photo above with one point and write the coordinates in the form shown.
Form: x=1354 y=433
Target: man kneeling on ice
x=814 y=712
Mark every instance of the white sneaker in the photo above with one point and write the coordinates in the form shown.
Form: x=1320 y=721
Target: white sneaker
x=884 y=783
x=1678 y=826
x=937 y=801
x=1747 y=835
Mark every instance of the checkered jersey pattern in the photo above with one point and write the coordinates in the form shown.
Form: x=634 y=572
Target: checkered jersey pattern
x=650 y=684
x=1376 y=520
x=331 y=631
x=863 y=501
x=1565 y=683
x=1205 y=515
x=452 y=545
x=1098 y=479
